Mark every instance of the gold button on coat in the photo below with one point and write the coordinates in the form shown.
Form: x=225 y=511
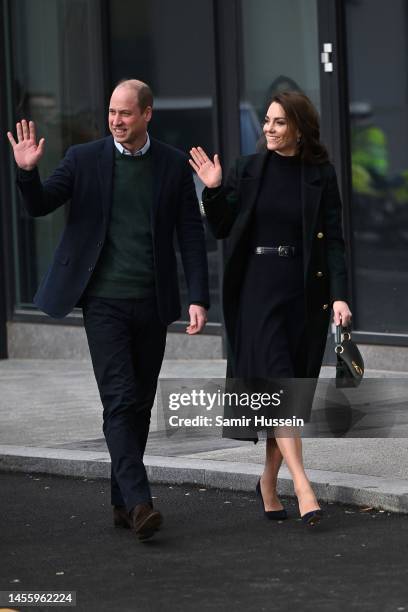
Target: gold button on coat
x=320 y=235
x=325 y=306
x=319 y=274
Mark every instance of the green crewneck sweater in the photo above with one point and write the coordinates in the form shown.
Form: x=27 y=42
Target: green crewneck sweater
x=125 y=268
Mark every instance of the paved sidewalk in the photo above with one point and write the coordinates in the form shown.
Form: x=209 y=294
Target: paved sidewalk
x=51 y=420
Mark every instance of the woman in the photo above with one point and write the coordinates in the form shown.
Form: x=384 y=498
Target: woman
x=281 y=210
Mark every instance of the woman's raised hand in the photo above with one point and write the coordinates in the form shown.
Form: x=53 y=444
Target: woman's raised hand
x=27 y=152
x=210 y=172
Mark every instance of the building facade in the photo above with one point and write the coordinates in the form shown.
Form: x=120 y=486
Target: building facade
x=212 y=65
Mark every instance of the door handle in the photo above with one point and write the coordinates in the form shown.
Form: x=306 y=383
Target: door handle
x=325 y=57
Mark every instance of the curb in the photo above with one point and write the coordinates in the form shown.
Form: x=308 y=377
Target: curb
x=378 y=492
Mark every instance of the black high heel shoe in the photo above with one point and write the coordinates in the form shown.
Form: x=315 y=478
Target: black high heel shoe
x=312 y=518
x=272 y=515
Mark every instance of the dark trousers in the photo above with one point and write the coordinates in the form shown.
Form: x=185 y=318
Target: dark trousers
x=126 y=341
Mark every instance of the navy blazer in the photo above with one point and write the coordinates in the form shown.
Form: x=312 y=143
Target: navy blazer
x=85 y=177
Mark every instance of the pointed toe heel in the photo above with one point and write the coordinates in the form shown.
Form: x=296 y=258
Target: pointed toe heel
x=271 y=515
x=312 y=518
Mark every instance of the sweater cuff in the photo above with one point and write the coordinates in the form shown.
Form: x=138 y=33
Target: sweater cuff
x=206 y=306
x=26 y=175
x=209 y=197
x=211 y=192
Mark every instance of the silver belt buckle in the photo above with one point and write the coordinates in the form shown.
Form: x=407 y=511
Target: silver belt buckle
x=283 y=251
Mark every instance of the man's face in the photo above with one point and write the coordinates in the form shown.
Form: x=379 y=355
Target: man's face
x=127 y=124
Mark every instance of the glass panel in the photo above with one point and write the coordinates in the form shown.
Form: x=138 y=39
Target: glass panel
x=169 y=45
x=57 y=84
x=378 y=87
x=279 y=51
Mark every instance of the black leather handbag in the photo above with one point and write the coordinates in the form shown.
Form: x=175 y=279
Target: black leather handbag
x=350 y=364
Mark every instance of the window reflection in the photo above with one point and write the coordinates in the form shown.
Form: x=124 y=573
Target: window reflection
x=279 y=51
x=379 y=163
x=56 y=84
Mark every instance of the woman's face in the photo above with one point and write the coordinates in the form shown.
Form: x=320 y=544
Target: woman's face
x=279 y=135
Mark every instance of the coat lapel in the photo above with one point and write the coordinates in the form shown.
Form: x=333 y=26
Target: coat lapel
x=249 y=186
x=160 y=161
x=105 y=173
x=311 y=196
x=251 y=180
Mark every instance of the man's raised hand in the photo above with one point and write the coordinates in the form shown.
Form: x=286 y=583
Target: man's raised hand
x=27 y=152
x=210 y=172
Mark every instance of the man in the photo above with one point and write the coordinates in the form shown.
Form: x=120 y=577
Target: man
x=128 y=195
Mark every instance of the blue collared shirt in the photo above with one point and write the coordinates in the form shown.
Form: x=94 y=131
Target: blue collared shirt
x=141 y=151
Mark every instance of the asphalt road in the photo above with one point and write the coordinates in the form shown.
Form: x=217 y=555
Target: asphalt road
x=215 y=552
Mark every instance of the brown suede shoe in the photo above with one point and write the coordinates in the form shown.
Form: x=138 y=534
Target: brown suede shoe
x=121 y=517
x=145 y=521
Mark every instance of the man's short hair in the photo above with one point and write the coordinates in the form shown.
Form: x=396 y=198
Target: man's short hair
x=142 y=90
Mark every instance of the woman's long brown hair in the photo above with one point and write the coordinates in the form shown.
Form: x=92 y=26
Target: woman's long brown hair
x=302 y=115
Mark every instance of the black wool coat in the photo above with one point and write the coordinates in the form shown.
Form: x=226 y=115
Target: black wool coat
x=229 y=209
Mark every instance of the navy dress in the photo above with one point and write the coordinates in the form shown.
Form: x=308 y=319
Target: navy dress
x=271 y=319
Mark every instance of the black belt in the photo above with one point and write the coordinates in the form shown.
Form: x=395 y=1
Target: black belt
x=282 y=251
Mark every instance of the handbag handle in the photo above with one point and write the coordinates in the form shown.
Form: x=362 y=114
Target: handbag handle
x=342 y=333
